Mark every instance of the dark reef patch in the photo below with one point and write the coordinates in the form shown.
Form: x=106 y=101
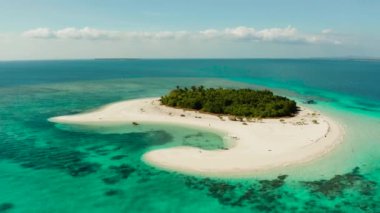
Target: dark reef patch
x=272 y=184
x=68 y=151
x=4 y=207
x=348 y=192
x=111 y=180
x=123 y=170
x=48 y=157
x=118 y=157
x=83 y=169
x=337 y=185
x=264 y=195
x=116 y=174
x=352 y=191
x=113 y=192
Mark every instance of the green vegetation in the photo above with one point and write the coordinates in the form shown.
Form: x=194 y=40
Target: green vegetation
x=236 y=102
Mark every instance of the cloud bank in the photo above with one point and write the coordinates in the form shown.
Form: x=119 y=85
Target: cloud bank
x=281 y=35
x=85 y=33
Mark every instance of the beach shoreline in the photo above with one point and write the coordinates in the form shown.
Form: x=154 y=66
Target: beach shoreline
x=256 y=146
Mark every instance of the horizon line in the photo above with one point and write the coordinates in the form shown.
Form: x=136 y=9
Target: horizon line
x=195 y=58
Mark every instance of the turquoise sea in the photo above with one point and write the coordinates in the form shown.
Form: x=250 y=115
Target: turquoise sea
x=61 y=168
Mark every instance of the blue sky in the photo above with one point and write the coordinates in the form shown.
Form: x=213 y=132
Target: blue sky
x=48 y=29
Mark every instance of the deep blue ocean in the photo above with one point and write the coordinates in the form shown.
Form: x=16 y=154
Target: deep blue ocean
x=354 y=77
x=46 y=167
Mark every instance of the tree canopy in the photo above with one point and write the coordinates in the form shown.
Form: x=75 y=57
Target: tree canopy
x=236 y=102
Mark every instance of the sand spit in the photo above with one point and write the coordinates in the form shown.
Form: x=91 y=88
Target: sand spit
x=256 y=145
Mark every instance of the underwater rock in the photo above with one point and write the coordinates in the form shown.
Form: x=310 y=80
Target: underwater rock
x=123 y=170
x=28 y=165
x=6 y=206
x=83 y=169
x=118 y=157
x=272 y=184
x=111 y=180
x=118 y=173
x=310 y=101
x=222 y=191
x=113 y=192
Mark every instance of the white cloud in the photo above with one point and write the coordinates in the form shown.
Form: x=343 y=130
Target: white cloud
x=161 y=35
x=269 y=34
x=210 y=33
x=240 y=32
x=39 y=33
x=278 y=34
x=85 y=33
x=327 y=31
x=71 y=33
x=283 y=35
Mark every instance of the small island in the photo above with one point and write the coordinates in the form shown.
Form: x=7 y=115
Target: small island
x=238 y=102
x=270 y=131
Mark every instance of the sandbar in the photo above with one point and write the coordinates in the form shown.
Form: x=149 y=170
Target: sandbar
x=253 y=146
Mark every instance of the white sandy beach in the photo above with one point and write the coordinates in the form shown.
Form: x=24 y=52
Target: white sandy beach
x=257 y=146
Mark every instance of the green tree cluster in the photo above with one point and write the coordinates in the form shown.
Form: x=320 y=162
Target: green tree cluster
x=237 y=102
